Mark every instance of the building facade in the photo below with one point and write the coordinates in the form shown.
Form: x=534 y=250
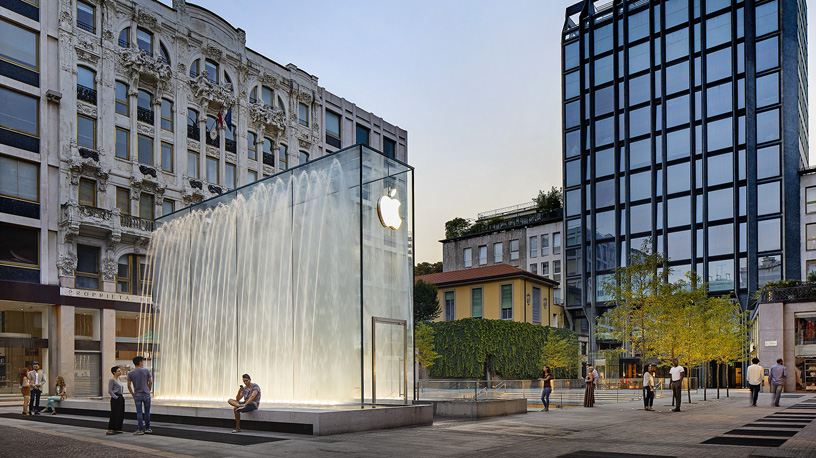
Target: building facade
x=497 y=292
x=685 y=128
x=519 y=236
x=113 y=113
x=808 y=211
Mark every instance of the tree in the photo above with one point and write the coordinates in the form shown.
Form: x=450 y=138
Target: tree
x=727 y=323
x=425 y=268
x=424 y=344
x=560 y=352
x=456 y=227
x=426 y=302
x=549 y=200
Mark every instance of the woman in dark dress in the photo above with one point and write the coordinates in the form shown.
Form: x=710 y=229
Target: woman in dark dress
x=589 y=393
x=547 y=378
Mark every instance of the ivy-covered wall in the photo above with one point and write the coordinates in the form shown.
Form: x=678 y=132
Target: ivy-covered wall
x=514 y=350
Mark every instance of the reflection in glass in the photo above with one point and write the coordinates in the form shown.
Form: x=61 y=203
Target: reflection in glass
x=767 y=89
x=678 y=211
x=720 y=204
x=721 y=239
x=720 y=169
x=720 y=134
x=768 y=198
x=769 y=269
x=679 y=245
x=767 y=54
x=767 y=126
x=769 y=233
x=721 y=275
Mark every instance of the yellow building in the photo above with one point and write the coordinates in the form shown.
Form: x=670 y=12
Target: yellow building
x=498 y=292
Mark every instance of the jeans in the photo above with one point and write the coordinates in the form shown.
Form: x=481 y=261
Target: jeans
x=34 y=402
x=545 y=397
x=777 y=393
x=142 y=411
x=677 y=393
x=754 y=393
x=648 y=397
x=51 y=400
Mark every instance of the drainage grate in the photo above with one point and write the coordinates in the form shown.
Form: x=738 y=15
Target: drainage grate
x=775 y=425
x=760 y=432
x=591 y=454
x=747 y=441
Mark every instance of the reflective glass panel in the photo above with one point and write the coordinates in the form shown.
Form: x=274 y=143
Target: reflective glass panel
x=605 y=224
x=718 y=30
x=638 y=57
x=572 y=114
x=677 y=111
x=768 y=198
x=679 y=245
x=677 y=144
x=676 y=12
x=572 y=143
x=720 y=134
x=572 y=84
x=721 y=239
x=604 y=100
x=677 y=44
x=720 y=204
x=640 y=153
x=767 y=54
x=604 y=193
x=640 y=218
x=571 y=55
x=677 y=77
x=604 y=70
x=767 y=89
x=639 y=89
x=603 y=39
x=677 y=179
x=769 y=233
x=720 y=169
x=767 y=18
x=638 y=25
x=639 y=121
x=718 y=99
x=678 y=211
x=721 y=275
x=767 y=126
x=769 y=269
x=640 y=186
x=718 y=65
x=604 y=162
x=768 y=162
x=573 y=169
x=604 y=131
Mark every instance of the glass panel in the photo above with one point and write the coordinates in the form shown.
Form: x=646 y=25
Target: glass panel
x=640 y=186
x=720 y=134
x=640 y=121
x=721 y=275
x=768 y=162
x=677 y=179
x=677 y=77
x=769 y=235
x=604 y=70
x=677 y=111
x=86 y=132
x=676 y=12
x=718 y=99
x=638 y=25
x=572 y=143
x=718 y=65
x=604 y=193
x=604 y=131
x=603 y=39
x=767 y=89
x=720 y=169
x=573 y=169
x=640 y=218
x=145 y=150
x=677 y=44
x=18 y=112
x=718 y=30
x=640 y=153
x=769 y=269
x=605 y=224
x=767 y=18
x=604 y=162
x=767 y=126
x=678 y=211
x=768 y=198
x=639 y=89
x=573 y=202
x=572 y=87
x=721 y=204
x=571 y=55
x=679 y=245
x=767 y=54
x=604 y=100
x=716 y=5
x=572 y=115
x=721 y=239
x=678 y=144
x=638 y=58
x=18 y=45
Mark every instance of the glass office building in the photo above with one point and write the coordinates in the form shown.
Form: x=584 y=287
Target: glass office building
x=684 y=127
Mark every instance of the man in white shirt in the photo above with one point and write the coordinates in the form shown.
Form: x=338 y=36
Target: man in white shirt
x=755 y=373
x=677 y=373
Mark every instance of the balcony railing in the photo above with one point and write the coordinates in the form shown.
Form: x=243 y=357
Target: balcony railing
x=269 y=159
x=193 y=132
x=212 y=141
x=86 y=94
x=229 y=145
x=134 y=222
x=805 y=292
x=145 y=115
x=86 y=153
x=94 y=212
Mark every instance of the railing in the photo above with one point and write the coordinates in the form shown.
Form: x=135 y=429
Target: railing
x=229 y=145
x=193 y=132
x=94 y=212
x=144 y=115
x=269 y=159
x=134 y=222
x=86 y=94
x=506 y=210
x=806 y=292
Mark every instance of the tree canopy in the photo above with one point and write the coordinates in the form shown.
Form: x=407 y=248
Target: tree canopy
x=549 y=200
x=426 y=302
x=425 y=268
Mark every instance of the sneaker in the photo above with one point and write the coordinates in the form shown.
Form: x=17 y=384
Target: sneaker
x=138 y=432
x=148 y=431
x=236 y=430
x=109 y=433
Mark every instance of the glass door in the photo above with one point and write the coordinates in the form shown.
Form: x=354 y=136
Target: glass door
x=389 y=359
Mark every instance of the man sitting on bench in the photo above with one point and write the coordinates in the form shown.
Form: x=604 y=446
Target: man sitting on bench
x=251 y=395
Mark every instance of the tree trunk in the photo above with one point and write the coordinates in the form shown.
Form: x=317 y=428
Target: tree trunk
x=705 y=381
x=718 y=380
x=727 y=380
x=688 y=388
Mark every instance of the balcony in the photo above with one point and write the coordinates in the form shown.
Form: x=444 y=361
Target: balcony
x=87 y=219
x=193 y=132
x=86 y=94
x=230 y=145
x=145 y=115
x=86 y=153
x=136 y=223
x=787 y=291
x=269 y=159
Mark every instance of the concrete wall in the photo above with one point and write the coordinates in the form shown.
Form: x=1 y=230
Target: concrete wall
x=808 y=256
x=478 y=409
x=453 y=251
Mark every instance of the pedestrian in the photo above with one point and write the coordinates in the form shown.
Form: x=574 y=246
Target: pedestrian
x=589 y=391
x=117 y=402
x=247 y=400
x=25 y=389
x=596 y=377
x=677 y=374
x=648 y=387
x=140 y=383
x=777 y=375
x=60 y=395
x=548 y=380
x=36 y=379
x=754 y=375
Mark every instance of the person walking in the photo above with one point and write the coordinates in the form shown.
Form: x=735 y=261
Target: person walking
x=677 y=374
x=25 y=389
x=140 y=383
x=247 y=400
x=547 y=378
x=777 y=375
x=60 y=395
x=589 y=391
x=754 y=376
x=36 y=379
x=648 y=387
x=117 y=402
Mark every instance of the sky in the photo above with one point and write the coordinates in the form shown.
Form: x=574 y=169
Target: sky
x=475 y=83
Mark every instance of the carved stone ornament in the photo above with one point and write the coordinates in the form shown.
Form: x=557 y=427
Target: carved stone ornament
x=144 y=178
x=267 y=117
x=109 y=268
x=145 y=129
x=86 y=51
x=205 y=91
x=145 y=19
x=213 y=52
x=191 y=193
x=307 y=138
x=85 y=162
x=86 y=109
x=67 y=263
x=140 y=63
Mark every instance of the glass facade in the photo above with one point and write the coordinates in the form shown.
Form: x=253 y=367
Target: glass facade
x=667 y=105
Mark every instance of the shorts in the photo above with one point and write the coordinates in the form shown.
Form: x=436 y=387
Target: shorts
x=246 y=408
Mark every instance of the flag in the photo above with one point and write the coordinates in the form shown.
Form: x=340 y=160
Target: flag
x=228 y=119
x=220 y=119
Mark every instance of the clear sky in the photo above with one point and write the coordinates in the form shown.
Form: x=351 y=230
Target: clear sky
x=475 y=83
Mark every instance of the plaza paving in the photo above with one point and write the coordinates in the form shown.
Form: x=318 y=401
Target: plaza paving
x=622 y=430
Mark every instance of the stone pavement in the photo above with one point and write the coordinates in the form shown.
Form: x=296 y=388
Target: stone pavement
x=605 y=430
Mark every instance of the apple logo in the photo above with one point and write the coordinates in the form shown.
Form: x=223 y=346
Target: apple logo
x=388 y=210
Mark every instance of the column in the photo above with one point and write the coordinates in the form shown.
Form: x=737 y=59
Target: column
x=202 y=143
x=107 y=343
x=61 y=347
x=157 y=133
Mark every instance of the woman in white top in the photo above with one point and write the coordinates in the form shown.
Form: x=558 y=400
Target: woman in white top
x=649 y=388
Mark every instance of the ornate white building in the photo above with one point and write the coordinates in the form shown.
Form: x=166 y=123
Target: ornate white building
x=113 y=113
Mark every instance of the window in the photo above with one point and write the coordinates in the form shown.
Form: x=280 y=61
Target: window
x=769 y=198
x=533 y=246
x=498 y=247
x=767 y=126
x=303 y=114
x=86 y=132
x=87 y=271
x=146 y=206
x=145 y=150
x=571 y=55
x=721 y=239
x=604 y=100
x=810 y=236
x=545 y=269
x=212 y=170
x=573 y=171
x=534 y=268
x=87 y=192
x=130 y=272
x=252 y=176
x=450 y=306
x=720 y=134
x=193 y=131
x=556 y=243
x=810 y=199
x=467 y=254
x=506 y=302
x=640 y=121
x=677 y=111
x=267 y=96
x=767 y=89
x=679 y=245
x=229 y=175
x=482 y=255
x=19 y=179
x=333 y=129
x=124 y=38
x=283 y=157
x=303 y=157
x=362 y=135
x=167 y=115
x=192 y=164
x=769 y=233
x=545 y=244
x=389 y=148
x=86 y=84
x=514 y=250
x=720 y=204
x=86 y=16
x=252 y=146
x=211 y=126
x=718 y=65
x=572 y=85
x=167 y=157
x=122 y=99
x=144 y=107
x=718 y=30
x=557 y=268
x=268 y=157
x=677 y=178
x=718 y=99
x=195 y=67
x=164 y=55
x=144 y=41
x=767 y=54
x=638 y=59
x=677 y=44
x=767 y=18
x=603 y=39
x=212 y=70
x=123 y=200
x=19 y=45
x=19 y=246
x=19 y=112
x=721 y=275
x=638 y=25
x=476 y=303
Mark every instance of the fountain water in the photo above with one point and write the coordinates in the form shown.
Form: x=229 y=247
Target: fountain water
x=284 y=279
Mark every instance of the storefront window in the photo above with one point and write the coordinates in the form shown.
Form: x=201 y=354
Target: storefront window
x=22 y=333
x=806 y=329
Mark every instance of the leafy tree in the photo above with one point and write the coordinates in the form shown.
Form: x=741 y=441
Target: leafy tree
x=456 y=227
x=424 y=344
x=425 y=268
x=426 y=302
x=560 y=353
x=727 y=323
x=811 y=277
x=549 y=200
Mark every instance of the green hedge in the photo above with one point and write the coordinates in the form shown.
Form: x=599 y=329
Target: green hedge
x=514 y=349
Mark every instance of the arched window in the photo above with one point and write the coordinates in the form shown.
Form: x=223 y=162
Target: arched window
x=267 y=96
x=165 y=56
x=227 y=79
x=194 y=68
x=253 y=95
x=86 y=84
x=124 y=38
x=268 y=156
x=252 y=147
x=130 y=274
